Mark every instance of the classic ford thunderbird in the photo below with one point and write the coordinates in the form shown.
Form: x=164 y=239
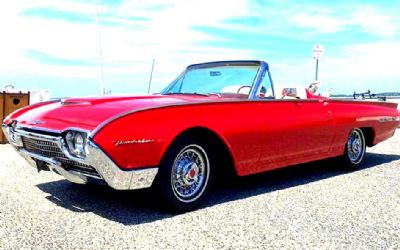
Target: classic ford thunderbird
x=214 y=119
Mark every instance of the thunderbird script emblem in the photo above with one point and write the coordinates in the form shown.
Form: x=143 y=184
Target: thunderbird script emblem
x=141 y=141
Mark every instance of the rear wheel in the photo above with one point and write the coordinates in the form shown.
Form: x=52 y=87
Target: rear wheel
x=185 y=174
x=354 y=153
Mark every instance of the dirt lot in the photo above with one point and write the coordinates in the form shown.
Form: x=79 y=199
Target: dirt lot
x=315 y=206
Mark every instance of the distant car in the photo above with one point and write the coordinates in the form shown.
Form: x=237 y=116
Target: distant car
x=215 y=117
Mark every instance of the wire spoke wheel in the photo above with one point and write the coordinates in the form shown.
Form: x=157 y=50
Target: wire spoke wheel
x=355 y=147
x=190 y=173
x=186 y=173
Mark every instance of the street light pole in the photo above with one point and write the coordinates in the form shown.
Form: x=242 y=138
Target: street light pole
x=316 y=70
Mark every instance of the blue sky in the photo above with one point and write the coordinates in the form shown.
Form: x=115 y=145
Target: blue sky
x=54 y=45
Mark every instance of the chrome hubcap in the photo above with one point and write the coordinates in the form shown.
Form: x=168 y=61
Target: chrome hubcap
x=355 y=146
x=190 y=173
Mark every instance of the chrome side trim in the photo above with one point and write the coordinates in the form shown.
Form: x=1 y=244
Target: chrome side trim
x=380 y=119
x=389 y=119
x=107 y=169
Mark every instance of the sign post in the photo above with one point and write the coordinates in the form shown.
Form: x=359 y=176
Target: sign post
x=317 y=55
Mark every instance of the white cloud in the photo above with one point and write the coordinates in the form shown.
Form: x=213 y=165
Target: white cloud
x=320 y=23
x=367 y=19
x=370 y=61
x=127 y=47
x=164 y=30
x=356 y=67
x=371 y=21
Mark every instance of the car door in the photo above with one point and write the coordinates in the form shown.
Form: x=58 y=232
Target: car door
x=295 y=131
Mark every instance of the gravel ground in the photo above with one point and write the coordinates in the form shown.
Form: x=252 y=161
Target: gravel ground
x=311 y=206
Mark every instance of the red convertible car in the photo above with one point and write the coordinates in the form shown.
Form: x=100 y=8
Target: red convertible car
x=214 y=118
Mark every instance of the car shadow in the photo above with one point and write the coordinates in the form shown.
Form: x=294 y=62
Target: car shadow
x=141 y=206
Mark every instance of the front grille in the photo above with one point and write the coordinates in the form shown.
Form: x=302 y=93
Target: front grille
x=51 y=150
x=44 y=148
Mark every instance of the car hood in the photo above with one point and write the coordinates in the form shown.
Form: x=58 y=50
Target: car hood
x=88 y=113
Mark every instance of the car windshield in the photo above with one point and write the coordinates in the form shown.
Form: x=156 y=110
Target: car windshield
x=219 y=79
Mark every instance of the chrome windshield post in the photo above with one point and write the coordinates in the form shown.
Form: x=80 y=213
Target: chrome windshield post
x=262 y=72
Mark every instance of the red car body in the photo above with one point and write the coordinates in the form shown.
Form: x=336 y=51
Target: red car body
x=135 y=133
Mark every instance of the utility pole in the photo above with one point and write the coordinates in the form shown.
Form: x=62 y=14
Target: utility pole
x=102 y=85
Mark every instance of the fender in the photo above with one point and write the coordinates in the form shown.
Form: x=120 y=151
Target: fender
x=140 y=138
x=19 y=112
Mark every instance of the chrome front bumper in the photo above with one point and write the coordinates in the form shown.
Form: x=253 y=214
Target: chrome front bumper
x=96 y=158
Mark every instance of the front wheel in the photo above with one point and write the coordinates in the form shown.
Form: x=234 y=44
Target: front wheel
x=185 y=174
x=354 y=152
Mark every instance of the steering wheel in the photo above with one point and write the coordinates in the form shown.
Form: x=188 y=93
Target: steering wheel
x=244 y=86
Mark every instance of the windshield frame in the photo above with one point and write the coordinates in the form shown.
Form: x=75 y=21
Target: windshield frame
x=262 y=68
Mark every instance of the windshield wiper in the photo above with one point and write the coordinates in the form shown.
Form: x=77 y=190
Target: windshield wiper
x=185 y=93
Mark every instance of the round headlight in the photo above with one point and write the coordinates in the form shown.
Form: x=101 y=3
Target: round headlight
x=79 y=144
x=69 y=136
x=76 y=143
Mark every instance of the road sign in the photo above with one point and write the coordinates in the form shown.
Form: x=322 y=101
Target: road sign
x=318 y=51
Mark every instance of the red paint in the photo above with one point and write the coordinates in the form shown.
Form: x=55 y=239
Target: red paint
x=88 y=113
x=192 y=173
x=311 y=95
x=261 y=135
